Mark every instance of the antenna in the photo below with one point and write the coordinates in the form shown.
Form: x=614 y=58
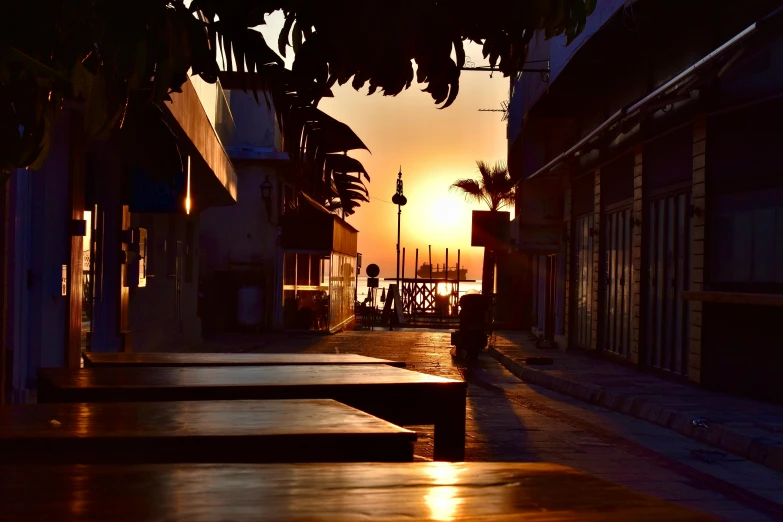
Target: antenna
x=503 y=109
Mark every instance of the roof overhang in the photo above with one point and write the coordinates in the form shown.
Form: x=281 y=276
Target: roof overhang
x=682 y=88
x=213 y=179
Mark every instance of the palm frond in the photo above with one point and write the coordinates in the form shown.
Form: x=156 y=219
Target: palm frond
x=495 y=187
x=486 y=173
x=471 y=189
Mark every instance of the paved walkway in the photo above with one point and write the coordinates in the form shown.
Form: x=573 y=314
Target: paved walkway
x=745 y=427
x=508 y=419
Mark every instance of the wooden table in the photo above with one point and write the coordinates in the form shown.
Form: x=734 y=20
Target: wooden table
x=324 y=492
x=399 y=396
x=96 y=359
x=313 y=430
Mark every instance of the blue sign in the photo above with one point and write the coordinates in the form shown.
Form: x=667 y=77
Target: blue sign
x=149 y=195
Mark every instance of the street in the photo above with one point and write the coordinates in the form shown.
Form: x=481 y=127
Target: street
x=509 y=420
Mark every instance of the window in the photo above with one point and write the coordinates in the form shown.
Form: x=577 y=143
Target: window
x=746 y=237
x=306 y=292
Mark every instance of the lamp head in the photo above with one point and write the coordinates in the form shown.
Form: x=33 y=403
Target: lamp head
x=266 y=189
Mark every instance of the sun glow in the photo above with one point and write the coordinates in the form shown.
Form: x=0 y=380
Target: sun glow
x=439 y=217
x=445 y=288
x=443 y=498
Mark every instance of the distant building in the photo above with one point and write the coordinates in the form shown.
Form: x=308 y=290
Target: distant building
x=278 y=259
x=650 y=211
x=240 y=271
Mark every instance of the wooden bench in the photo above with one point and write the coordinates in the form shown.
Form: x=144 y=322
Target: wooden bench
x=96 y=359
x=315 y=430
x=468 y=491
x=399 y=396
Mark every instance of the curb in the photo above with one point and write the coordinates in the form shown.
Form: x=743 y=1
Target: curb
x=754 y=449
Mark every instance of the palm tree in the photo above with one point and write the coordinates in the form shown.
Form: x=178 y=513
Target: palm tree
x=496 y=189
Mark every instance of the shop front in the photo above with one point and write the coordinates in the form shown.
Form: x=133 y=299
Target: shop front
x=319 y=272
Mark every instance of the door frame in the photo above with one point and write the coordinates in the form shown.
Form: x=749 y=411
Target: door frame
x=75 y=231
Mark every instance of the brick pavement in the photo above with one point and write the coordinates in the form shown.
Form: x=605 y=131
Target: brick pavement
x=746 y=427
x=511 y=420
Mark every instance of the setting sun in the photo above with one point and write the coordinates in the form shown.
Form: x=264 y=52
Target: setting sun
x=438 y=215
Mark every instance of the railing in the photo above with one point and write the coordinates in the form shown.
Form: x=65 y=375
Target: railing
x=225 y=126
x=215 y=102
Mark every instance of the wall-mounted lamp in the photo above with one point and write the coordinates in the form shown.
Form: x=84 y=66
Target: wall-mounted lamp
x=266 y=195
x=696 y=211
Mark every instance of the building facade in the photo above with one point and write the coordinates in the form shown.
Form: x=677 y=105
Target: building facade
x=650 y=209
x=240 y=270
x=102 y=250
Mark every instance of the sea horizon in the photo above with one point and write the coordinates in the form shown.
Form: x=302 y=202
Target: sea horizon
x=361 y=290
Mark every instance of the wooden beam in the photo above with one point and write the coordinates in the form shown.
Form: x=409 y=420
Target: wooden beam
x=4 y=198
x=733 y=298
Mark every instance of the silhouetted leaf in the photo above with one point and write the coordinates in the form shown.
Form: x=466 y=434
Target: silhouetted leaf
x=296 y=38
x=282 y=41
x=149 y=46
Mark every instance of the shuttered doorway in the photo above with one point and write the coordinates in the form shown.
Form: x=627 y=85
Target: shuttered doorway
x=584 y=248
x=616 y=321
x=666 y=316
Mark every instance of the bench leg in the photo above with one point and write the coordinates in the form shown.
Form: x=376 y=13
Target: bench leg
x=450 y=430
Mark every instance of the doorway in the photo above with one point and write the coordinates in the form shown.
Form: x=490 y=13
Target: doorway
x=616 y=330
x=584 y=249
x=666 y=316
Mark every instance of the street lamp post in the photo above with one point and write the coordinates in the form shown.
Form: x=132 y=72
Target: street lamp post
x=400 y=200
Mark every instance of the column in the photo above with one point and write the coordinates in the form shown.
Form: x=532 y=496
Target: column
x=569 y=267
x=596 y=254
x=636 y=269
x=697 y=244
x=75 y=242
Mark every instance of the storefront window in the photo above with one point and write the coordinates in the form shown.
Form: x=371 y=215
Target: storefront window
x=342 y=291
x=318 y=290
x=306 y=290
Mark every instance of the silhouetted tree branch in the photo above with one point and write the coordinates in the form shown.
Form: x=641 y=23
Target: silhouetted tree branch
x=117 y=57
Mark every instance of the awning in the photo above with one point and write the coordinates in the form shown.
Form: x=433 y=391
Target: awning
x=213 y=179
x=678 y=89
x=317 y=232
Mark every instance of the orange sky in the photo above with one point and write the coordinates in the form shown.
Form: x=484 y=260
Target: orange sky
x=434 y=147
